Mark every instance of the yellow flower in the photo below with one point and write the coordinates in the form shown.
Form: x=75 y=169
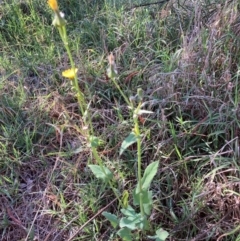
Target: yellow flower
x=70 y=73
x=53 y=4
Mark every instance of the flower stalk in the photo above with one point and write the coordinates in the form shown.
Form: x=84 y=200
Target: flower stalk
x=112 y=73
x=139 y=156
x=60 y=23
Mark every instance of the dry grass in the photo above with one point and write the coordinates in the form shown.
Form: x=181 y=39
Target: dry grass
x=186 y=58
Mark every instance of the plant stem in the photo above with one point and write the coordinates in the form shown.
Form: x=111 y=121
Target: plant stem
x=121 y=92
x=139 y=157
x=83 y=107
x=137 y=133
x=80 y=96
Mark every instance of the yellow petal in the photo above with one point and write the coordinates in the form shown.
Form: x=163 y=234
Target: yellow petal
x=53 y=4
x=69 y=73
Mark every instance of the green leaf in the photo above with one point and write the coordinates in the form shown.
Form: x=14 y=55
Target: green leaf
x=134 y=223
x=143 y=223
x=101 y=172
x=133 y=220
x=129 y=223
x=129 y=211
x=146 y=198
x=148 y=176
x=147 y=202
x=136 y=197
x=95 y=141
x=161 y=235
x=131 y=139
x=112 y=218
x=125 y=234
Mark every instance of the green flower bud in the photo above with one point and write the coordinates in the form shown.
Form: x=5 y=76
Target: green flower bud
x=59 y=20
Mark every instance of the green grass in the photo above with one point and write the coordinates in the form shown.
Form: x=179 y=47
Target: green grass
x=189 y=73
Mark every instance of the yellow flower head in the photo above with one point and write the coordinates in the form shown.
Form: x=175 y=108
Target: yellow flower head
x=70 y=73
x=53 y=4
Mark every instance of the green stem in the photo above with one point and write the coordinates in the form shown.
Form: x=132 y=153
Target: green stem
x=80 y=96
x=121 y=92
x=137 y=133
x=139 y=158
x=83 y=107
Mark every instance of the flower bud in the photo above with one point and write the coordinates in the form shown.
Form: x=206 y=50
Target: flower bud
x=112 y=69
x=59 y=20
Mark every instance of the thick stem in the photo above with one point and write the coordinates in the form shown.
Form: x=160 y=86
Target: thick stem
x=139 y=160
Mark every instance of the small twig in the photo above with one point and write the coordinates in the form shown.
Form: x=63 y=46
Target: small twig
x=146 y=4
x=85 y=224
x=15 y=220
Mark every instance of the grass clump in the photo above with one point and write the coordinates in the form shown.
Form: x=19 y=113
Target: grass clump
x=168 y=98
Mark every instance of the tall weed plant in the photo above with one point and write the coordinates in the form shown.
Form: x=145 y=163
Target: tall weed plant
x=133 y=223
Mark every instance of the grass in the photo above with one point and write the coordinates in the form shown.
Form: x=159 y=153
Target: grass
x=185 y=58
